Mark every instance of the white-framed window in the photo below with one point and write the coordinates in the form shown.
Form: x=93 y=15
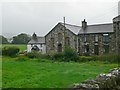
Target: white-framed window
x=106 y=38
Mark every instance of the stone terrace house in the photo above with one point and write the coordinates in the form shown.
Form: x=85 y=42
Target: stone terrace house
x=95 y=39
x=86 y=39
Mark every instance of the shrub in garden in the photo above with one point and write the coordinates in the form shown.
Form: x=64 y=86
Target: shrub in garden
x=33 y=54
x=70 y=54
x=58 y=56
x=10 y=51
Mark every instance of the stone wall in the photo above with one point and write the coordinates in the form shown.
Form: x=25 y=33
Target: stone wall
x=116 y=28
x=91 y=42
x=109 y=81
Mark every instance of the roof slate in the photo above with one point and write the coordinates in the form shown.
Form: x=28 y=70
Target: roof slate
x=40 y=40
x=100 y=28
x=75 y=29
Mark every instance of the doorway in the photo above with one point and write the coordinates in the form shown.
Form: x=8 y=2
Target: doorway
x=96 y=50
x=59 y=47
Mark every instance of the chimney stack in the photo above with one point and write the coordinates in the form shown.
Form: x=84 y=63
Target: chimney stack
x=34 y=36
x=84 y=24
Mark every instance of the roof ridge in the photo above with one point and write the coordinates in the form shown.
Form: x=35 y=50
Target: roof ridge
x=70 y=24
x=87 y=25
x=100 y=24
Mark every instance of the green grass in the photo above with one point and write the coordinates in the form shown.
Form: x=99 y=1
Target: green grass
x=22 y=47
x=48 y=74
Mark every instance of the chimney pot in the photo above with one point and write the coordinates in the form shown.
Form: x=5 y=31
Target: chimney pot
x=84 y=24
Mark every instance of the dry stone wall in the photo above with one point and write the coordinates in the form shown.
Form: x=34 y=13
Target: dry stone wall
x=109 y=81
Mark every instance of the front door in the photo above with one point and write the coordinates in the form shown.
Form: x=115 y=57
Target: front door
x=96 y=50
x=59 y=47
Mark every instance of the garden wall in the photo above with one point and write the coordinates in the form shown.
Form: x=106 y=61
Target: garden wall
x=109 y=81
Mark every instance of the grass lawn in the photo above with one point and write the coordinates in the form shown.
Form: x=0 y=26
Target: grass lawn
x=22 y=47
x=47 y=74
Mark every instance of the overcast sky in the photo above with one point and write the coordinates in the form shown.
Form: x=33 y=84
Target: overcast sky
x=29 y=16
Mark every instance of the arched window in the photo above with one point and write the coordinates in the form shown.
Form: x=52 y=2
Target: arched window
x=52 y=43
x=67 y=41
x=59 y=37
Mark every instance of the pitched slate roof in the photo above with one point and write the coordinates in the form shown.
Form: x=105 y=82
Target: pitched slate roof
x=39 y=40
x=75 y=29
x=99 y=28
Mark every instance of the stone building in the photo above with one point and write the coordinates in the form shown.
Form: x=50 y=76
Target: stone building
x=57 y=38
x=86 y=39
x=95 y=39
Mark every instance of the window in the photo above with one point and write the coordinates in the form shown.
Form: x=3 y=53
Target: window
x=52 y=43
x=86 y=38
x=96 y=38
x=59 y=37
x=67 y=41
x=106 y=38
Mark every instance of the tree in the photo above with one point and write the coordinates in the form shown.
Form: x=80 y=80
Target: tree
x=21 y=39
x=3 y=40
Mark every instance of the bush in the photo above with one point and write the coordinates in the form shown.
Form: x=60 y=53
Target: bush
x=10 y=51
x=33 y=54
x=58 y=56
x=70 y=54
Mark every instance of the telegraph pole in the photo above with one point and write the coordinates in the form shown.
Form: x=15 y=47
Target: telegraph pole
x=64 y=32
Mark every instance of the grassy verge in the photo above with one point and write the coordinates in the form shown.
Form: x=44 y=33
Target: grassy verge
x=42 y=73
